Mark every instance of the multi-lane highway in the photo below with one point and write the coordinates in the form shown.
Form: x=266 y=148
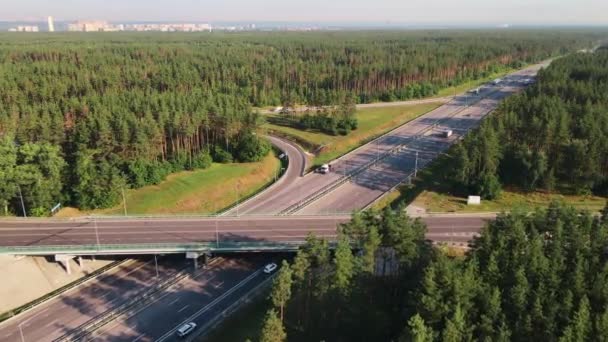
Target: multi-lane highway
x=25 y=233
x=395 y=152
x=197 y=297
x=67 y=312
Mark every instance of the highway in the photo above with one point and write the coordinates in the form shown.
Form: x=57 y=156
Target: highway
x=192 y=230
x=198 y=298
x=67 y=312
x=422 y=134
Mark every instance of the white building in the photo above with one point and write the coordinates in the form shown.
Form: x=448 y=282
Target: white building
x=51 y=24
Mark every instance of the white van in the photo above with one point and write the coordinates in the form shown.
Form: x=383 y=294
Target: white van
x=186 y=329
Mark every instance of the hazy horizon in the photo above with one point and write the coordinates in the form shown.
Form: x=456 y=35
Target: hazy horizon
x=382 y=12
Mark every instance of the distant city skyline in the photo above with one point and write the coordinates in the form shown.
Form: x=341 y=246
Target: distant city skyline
x=414 y=12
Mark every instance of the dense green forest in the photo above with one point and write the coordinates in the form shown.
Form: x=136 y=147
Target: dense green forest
x=541 y=277
x=87 y=115
x=554 y=136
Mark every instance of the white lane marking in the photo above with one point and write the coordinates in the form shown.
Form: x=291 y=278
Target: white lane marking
x=175 y=301
x=138 y=338
x=210 y=305
x=184 y=308
x=51 y=323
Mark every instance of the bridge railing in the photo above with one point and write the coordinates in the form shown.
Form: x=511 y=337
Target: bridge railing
x=147 y=248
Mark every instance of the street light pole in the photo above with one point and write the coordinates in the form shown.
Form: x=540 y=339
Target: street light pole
x=416 y=166
x=237 y=199
x=22 y=203
x=96 y=231
x=124 y=200
x=217 y=235
x=156 y=265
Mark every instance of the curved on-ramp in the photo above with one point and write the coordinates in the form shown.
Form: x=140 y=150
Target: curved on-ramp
x=295 y=169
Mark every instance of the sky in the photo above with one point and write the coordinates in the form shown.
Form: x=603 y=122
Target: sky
x=407 y=12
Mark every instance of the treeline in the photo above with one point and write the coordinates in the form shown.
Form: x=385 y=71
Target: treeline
x=554 y=136
x=527 y=277
x=125 y=110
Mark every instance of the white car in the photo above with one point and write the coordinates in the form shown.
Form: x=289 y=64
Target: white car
x=186 y=329
x=323 y=169
x=270 y=268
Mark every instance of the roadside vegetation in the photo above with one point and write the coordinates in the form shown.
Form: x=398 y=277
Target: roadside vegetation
x=547 y=144
x=83 y=117
x=541 y=275
x=205 y=191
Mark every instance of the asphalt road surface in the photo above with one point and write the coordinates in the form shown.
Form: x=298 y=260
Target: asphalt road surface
x=197 y=298
x=295 y=170
x=188 y=230
x=66 y=313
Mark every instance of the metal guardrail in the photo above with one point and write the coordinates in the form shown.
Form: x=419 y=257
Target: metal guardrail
x=99 y=321
x=218 y=319
x=158 y=248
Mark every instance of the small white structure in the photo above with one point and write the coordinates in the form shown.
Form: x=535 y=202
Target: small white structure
x=474 y=200
x=51 y=24
x=447 y=133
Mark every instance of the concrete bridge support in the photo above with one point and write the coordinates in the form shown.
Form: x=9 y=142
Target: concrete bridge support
x=195 y=255
x=64 y=260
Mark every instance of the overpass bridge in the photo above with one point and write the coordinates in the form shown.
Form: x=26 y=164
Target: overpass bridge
x=116 y=236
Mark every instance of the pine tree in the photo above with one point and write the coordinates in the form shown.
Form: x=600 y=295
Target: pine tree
x=281 y=288
x=273 y=330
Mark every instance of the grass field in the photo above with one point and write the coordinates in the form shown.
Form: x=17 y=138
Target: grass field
x=431 y=193
x=373 y=122
x=202 y=191
x=195 y=192
x=508 y=200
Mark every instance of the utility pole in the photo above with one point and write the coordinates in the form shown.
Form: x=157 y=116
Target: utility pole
x=22 y=203
x=217 y=235
x=124 y=201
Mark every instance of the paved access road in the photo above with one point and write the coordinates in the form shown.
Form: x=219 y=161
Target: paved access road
x=188 y=230
x=295 y=170
x=67 y=312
